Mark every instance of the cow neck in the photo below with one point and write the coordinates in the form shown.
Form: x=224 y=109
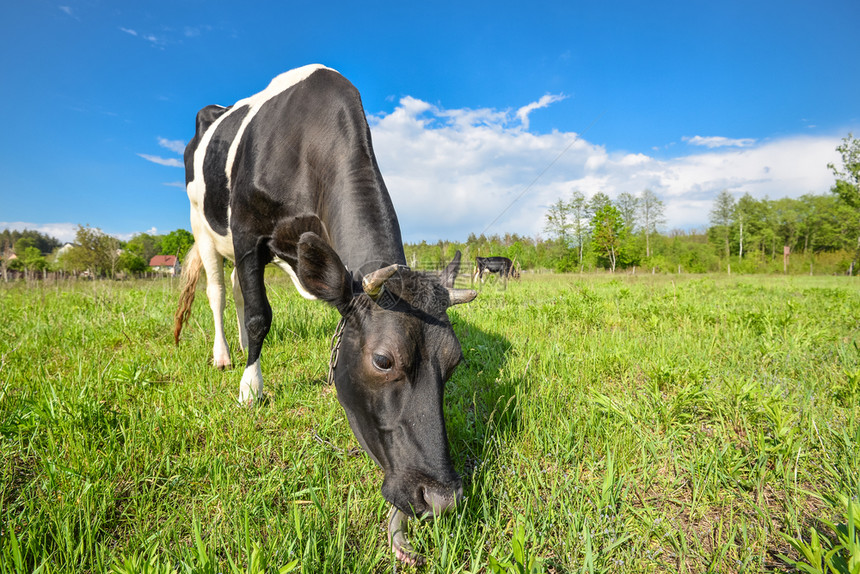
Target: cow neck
x=364 y=248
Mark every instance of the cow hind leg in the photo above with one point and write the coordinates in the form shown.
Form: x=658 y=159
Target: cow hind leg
x=213 y=263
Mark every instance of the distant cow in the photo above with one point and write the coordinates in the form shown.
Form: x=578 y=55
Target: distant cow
x=289 y=176
x=501 y=265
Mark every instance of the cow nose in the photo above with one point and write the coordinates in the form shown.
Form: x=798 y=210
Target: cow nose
x=439 y=501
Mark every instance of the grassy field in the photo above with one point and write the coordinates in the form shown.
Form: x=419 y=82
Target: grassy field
x=626 y=424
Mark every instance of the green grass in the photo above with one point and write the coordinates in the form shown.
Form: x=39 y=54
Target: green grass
x=627 y=424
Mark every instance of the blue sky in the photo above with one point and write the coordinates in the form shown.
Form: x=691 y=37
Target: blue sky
x=468 y=102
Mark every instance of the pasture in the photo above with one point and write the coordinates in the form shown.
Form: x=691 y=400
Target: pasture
x=601 y=424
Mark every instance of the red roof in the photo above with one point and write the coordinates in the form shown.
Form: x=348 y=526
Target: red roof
x=163 y=261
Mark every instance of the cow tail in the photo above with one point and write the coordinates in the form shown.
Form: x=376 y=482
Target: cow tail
x=190 y=274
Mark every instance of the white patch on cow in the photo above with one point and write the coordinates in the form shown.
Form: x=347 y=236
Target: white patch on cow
x=196 y=189
x=289 y=271
x=213 y=247
x=213 y=265
x=251 y=387
x=255 y=102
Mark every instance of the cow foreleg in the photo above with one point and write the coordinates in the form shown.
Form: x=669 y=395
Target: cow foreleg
x=258 y=320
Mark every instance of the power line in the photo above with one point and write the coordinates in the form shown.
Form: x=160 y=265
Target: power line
x=529 y=186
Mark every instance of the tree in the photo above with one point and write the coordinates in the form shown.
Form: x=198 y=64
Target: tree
x=847 y=185
x=750 y=216
x=628 y=205
x=177 y=243
x=44 y=242
x=95 y=252
x=557 y=221
x=144 y=245
x=5 y=256
x=33 y=260
x=597 y=202
x=132 y=263
x=722 y=214
x=578 y=209
x=23 y=244
x=786 y=216
x=651 y=216
x=608 y=233
x=848 y=178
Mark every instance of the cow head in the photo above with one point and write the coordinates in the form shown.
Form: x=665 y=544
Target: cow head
x=397 y=350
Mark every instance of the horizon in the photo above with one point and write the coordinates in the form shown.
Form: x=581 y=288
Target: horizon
x=473 y=114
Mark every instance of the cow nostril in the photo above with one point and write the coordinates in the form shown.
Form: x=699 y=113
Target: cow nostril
x=440 y=502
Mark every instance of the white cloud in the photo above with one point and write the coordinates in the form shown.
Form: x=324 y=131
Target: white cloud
x=168 y=161
x=151 y=38
x=452 y=172
x=176 y=146
x=718 y=141
x=523 y=112
x=67 y=10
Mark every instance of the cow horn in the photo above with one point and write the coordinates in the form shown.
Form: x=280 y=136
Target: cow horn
x=372 y=283
x=458 y=296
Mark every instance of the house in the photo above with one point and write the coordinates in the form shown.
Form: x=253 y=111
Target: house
x=166 y=264
x=62 y=250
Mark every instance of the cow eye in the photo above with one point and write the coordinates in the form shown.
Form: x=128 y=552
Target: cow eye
x=382 y=362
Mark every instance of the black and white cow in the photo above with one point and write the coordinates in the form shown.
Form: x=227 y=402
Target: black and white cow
x=501 y=265
x=289 y=176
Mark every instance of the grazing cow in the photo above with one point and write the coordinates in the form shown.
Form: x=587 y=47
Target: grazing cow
x=501 y=265
x=289 y=176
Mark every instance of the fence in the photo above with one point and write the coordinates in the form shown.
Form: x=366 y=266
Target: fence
x=11 y=276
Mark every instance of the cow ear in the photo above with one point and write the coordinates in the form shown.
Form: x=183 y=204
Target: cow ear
x=449 y=275
x=322 y=273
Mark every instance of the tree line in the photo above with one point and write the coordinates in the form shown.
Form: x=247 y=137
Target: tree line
x=813 y=233
x=93 y=253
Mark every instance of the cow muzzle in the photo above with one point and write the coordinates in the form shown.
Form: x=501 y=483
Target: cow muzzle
x=441 y=500
x=432 y=501
x=420 y=496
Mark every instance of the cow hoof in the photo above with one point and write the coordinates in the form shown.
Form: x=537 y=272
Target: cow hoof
x=250 y=400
